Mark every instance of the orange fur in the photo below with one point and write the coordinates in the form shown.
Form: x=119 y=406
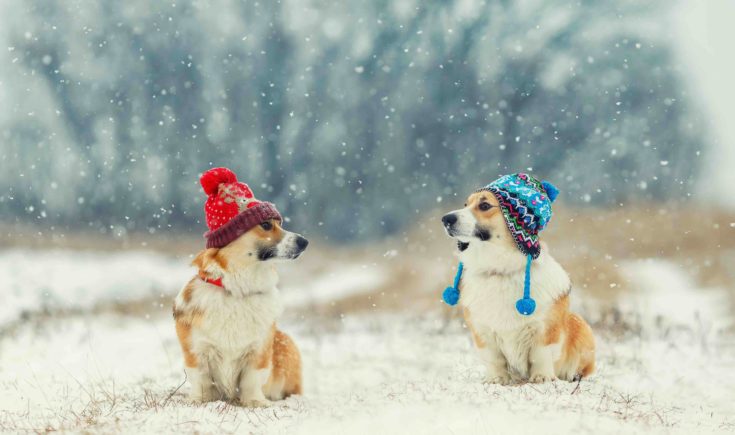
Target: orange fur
x=487 y=216
x=580 y=344
x=205 y=257
x=578 y=348
x=273 y=235
x=188 y=290
x=479 y=342
x=220 y=259
x=183 y=331
x=286 y=365
x=185 y=320
x=263 y=358
x=556 y=320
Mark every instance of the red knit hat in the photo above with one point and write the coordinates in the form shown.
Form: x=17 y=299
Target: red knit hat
x=231 y=208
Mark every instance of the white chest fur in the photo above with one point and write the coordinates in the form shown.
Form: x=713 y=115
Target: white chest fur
x=491 y=301
x=490 y=298
x=233 y=325
x=234 y=328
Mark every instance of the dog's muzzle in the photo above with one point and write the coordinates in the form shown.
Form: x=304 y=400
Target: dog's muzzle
x=449 y=220
x=301 y=244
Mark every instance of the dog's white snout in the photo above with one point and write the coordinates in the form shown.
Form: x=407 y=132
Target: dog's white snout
x=292 y=245
x=459 y=223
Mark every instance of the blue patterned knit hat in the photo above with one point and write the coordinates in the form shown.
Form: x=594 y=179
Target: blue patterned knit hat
x=526 y=206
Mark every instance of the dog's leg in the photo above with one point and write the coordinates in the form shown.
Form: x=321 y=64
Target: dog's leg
x=497 y=365
x=251 y=387
x=285 y=377
x=202 y=387
x=541 y=360
x=489 y=352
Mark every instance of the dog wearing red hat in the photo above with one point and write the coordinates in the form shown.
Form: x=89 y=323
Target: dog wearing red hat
x=226 y=315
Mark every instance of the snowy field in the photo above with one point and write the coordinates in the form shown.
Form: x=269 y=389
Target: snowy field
x=76 y=363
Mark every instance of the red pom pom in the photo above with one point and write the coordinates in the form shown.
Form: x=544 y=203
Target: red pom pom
x=214 y=177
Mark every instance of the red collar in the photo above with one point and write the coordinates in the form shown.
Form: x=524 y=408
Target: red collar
x=217 y=282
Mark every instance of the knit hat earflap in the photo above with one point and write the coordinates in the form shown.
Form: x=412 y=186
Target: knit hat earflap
x=526 y=206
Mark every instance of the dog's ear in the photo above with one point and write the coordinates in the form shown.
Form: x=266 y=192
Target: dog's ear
x=209 y=261
x=200 y=259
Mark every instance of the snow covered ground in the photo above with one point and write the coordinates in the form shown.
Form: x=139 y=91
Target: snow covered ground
x=369 y=372
x=77 y=280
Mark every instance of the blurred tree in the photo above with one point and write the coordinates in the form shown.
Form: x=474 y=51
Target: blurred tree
x=352 y=116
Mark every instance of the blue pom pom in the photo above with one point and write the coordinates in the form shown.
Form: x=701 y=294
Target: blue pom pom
x=551 y=190
x=451 y=296
x=526 y=306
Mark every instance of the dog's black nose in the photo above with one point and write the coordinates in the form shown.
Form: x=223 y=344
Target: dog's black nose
x=449 y=219
x=302 y=243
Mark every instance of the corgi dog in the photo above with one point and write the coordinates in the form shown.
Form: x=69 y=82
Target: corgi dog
x=226 y=320
x=548 y=344
x=226 y=315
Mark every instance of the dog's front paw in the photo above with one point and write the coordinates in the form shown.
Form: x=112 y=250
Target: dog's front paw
x=256 y=403
x=498 y=379
x=202 y=396
x=540 y=378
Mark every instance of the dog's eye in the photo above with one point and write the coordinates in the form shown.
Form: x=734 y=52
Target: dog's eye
x=266 y=226
x=484 y=206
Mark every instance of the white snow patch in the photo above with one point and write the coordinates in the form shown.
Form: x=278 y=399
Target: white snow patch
x=343 y=282
x=366 y=374
x=34 y=281
x=664 y=290
x=369 y=373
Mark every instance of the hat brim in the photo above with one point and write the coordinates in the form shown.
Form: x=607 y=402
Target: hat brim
x=241 y=224
x=526 y=242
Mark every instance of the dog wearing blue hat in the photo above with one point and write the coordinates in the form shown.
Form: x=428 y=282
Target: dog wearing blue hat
x=514 y=295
